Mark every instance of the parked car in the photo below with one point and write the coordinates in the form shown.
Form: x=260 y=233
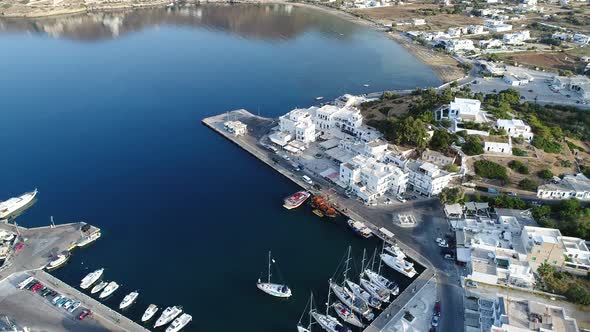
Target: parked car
x=513 y=194
x=437 y=308
x=307 y=179
x=400 y=198
x=19 y=247
x=439 y=240
x=449 y=256
x=471 y=283
x=37 y=287
x=83 y=314
x=55 y=299
x=443 y=244
x=434 y=321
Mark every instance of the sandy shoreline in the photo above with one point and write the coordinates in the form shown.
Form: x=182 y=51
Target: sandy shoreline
x=443 y=65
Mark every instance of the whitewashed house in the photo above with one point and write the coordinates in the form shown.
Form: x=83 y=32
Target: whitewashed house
x=571 y=186
x=490 y=43
x=516 y=38
x=580 y=39
x=475 y=29
x=500 y=28
x=456 y=45
x=463 y=109
x=579 y=84
x=426 y=178
x=515 y=128
x=517 y=78
x=299 y=124
x=497 y=145
x=369 y=178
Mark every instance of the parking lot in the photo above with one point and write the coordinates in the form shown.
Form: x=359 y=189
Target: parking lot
x=30 y=309
x=536 y=91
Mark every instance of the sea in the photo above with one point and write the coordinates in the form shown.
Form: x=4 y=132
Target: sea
x=101 y=112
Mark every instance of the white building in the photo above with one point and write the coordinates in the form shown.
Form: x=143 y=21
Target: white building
x=517 y=78
x=581 y=39
x=490 y=43
x=517 y=38
x=345 y=119
x=579 y=84
x=463 y=109
x=236 y=127
x=418 y=21
x=497 y=145
x=571 y=186
x=497 y=26
x=475 y=29
x=298 y=123
x=456 y=45
x=515 y=128
x=427 y=178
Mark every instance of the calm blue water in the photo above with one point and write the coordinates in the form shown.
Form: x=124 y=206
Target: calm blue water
x=104 y=118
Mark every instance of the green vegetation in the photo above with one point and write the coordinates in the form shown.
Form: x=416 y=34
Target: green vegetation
x=565 y=163
x=451 y=195
x=545 y=174
x=519 y=152
x=528 y=184
x=491 y=170
x=406 y=130
x=568 y=216
x=573 y=146
x=575 y=289
x=451 y=168
x=546 y=145
x=508 y=202
x=473 y=146
x=441 y=141
x=518 y=166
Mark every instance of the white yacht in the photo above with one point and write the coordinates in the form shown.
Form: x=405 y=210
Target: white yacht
x=395 y=251
x=98 y=287
x=357 y=291
x=399 y=264
x=128 y=300
x=60 y=260
x=109 y=289
x=380 y=293
x=149 y=312
x=347 y=315
x=91 y=278
x=13 y=204
x=168 y=315
x=329 y=323
x=179 y=323
x=381 y=281
x=278 y=290
x=86 y=240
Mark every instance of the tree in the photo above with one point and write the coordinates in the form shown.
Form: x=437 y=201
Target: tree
x=491 y=170
x=528 y=184
x=473 y=146
x=518 y=166
x=451 y=168
x=441 y=140
x=545 y=174
x=509 y=202
x=451 y=195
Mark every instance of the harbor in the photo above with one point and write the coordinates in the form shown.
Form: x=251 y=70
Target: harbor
x=249 y=140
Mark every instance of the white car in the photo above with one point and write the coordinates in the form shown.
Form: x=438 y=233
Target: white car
x=401 y=199
x=439 y=240
x=443 y=244
x=471 y=283
x=307 y=179
x=449 y=256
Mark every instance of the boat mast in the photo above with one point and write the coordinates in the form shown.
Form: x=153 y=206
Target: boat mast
x=362 y=265
x=347 y=260
x=373 y=261
x=329 y=294
x=269 y=266
x=382 y=250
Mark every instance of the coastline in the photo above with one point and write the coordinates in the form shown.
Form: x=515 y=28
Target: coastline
x=443 y=65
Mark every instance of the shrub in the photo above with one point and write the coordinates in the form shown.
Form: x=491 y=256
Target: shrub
x=473 y=146
x=528 y=184
x=518 y=166
x=519 y=152
x=451 y=195
x=545 y=174
x=491 y=170
x=546 y=145
x=451 y=168
x=565 y=163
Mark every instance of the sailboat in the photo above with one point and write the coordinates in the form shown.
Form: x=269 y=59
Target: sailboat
x=327 y=322
x=354 y=303
x=300 y=327
x=377 y=279
x=273 y=289
x=346 y=314
x=356 y=290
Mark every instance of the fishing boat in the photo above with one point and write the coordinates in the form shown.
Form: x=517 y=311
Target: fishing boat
x=179 y=323
x=295 y=200
x=399 y=264
x=149 y=312
x=108 y=290
x=319 y=98
x=322 y=205
x=128 y=300
x=380 y=280
x=380 y=293
x=360 y=228
x=91 y=278
x=86 y=240
x=318 y=213
x=347 y=315
x=168 y=315
x=98 y=287
x=12 y=205
x=60 y=260
x=355 y=290
x=278 y=290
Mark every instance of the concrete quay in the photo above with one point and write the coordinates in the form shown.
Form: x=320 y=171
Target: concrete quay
x=258 y=127
x=40 y=246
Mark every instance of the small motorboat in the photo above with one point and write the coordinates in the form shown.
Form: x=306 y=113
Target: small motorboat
x=98 y=287
x=149 y=312
x=319 y=98
x=59 y=261
x=109 y=289
x=128 y=300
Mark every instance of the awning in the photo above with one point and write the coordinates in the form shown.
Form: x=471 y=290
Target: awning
x=386 y=233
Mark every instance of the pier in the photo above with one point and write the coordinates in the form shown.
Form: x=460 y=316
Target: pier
x=40 y=246
x=258 y=127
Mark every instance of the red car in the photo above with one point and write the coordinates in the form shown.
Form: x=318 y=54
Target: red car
x=37 y=287
x=19 y=246
x=437 y=308
x=83 y=314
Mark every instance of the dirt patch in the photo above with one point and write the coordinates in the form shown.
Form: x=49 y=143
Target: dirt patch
x=558 y=60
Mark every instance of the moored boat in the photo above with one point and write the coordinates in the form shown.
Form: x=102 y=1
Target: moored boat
x=395 y=251
x=179 y=323
x=321 y=204
x=329 y=323
x=382 y=281
x=380 y=293
x=128 y=300
x=278 y=290
x=98 y=287
x=91 y=278
x=168 y=315
x=58 y=261
x=355 y=304
x=347 y=315
x=360 y=228
x=86 y=240
x=12 y=205
x=399 y=264
x=355 y=290
x=295 y=200
x=108 y=290
x=149 y=312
